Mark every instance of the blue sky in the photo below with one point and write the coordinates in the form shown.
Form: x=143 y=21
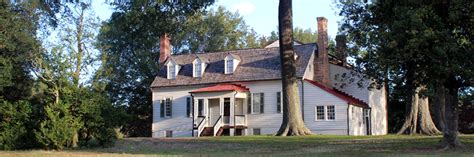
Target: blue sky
x=262 y=15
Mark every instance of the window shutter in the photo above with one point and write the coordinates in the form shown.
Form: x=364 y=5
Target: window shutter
x=249 y=103
x=162 y=108
x=188 y=106
x=261 y=103
x=171 y=107
x=278 y=102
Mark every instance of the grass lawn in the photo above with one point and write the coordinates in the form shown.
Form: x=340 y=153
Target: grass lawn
x=315 y=145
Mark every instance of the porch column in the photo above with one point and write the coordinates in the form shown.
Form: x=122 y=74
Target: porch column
x=232 y=116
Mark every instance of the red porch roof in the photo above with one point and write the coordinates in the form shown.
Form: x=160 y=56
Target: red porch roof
x=221 y=88
x=346 y=97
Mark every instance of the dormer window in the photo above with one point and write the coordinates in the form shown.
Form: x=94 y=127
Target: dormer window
x=231 y=62
x=199 y=65
x=171 y=72
x=173 y=69
x=230 y=66
x=197 y=70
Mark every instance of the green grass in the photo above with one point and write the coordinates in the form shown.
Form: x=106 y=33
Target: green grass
x=315 y=145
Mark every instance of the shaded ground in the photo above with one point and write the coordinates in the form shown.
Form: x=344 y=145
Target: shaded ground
x=390 y=145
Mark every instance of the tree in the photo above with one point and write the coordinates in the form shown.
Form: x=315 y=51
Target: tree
x=130 y=52
x=425 y=43
x=17 y=48
x=63 y=68
x=292 y=124
x=214 y=30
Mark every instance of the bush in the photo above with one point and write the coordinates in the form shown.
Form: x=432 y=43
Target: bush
x=13 y=125
x=58 y=128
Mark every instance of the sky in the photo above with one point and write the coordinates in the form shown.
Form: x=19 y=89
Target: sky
x=262 y=15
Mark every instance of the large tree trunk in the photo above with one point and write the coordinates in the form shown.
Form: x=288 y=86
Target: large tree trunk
x=450 y=132
x=418 y=119
x=438 y=106
x=292 y=124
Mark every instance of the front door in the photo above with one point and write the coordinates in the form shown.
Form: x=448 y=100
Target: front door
x=226 y=110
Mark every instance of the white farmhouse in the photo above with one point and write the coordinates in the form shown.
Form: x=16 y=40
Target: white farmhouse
x=238 y=92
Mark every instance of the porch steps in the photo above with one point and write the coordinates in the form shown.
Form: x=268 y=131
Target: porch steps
x=220 y=131
x=207 y=131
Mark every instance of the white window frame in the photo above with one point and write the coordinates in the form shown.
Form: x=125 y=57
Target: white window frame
x=172 y=75
x=197 y=71
x=170 y=108
x=327 y=112
x=229 y=70
x=316 y=113
x=261 y=103
x=259 y=130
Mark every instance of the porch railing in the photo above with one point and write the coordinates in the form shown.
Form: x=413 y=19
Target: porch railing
x=217 y=125
x=240 y=120
x=201 y=126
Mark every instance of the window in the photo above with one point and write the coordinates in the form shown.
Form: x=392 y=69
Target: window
x=188 y=106
x=249 y=103
x=256 y=131
x=201 y=107
x=331 y=112
x=165 y=107
x=169 y=133
x=171 y=72
x=278 y=102
x=230 y=66
x=168 y=107
x=197 y=69
x=325 y=112
x=320 y=113
x=257 y=103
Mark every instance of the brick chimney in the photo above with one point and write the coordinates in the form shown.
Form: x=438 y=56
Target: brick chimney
x=341 y=48
x=165 y=48
x=321 y=71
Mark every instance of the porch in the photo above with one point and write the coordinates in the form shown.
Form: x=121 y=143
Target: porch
x=219 y=110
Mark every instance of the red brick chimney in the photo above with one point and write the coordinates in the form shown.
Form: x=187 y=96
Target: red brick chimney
x=341 y=48
x=321 y=71
x=165 y=48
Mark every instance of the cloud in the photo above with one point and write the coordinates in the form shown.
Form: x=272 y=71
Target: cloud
x=244 y=8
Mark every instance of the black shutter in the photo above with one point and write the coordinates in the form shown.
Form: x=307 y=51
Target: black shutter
x=279 y=102
x=249 y=103
x=171 y=106
x=162 y=108
x=261 y=103
x=188 y=106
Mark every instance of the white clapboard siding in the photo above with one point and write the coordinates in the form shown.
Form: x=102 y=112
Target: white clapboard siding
x=356 y=121
x=179 y=122
x=269 y=122
x=375 y=98
x=315 y=96
x=351 y=87
x=378 y=114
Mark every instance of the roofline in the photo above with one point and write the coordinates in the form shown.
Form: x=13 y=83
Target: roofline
x=339 y=95
x=152 y=87
x=228 y=51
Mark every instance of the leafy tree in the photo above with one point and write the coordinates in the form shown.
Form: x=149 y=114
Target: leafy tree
x=18 y=44
x=214 y=30
x=424 y=43
x=59 y=126
x=292 y=124
x=130 y=53
x=14 y=121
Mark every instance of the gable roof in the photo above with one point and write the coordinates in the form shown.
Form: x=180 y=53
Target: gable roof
x=255 y=65
x=276 y=43
x=221 y=88
x=346 y=97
